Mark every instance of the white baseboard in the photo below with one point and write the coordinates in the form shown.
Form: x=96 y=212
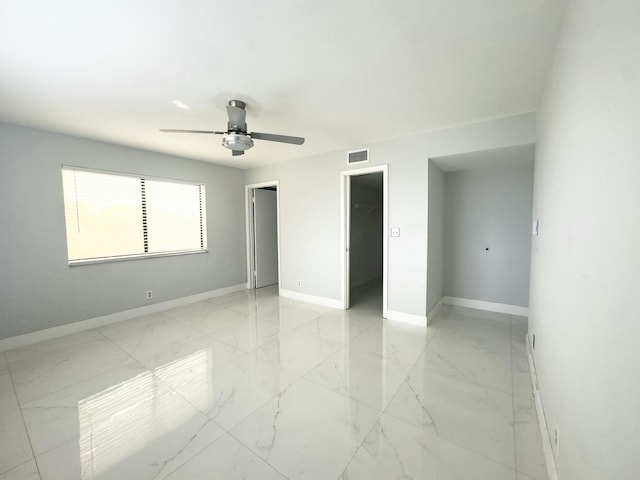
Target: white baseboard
x=303 y=297
x=83 y=325
x=410 y=318
x=489 y=306
x=434 y=311
x=547 y=448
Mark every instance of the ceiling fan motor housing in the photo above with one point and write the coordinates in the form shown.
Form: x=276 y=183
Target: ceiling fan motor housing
x=237 y=141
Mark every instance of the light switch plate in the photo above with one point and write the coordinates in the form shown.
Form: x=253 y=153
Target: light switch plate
x=395 y=232
x=535 y=227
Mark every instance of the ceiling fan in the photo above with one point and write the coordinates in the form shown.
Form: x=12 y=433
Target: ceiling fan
x=236 y=138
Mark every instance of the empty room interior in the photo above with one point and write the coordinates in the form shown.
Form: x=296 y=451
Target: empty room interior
x=297 y=240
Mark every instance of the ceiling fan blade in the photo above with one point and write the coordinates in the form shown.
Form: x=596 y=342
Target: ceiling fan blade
x=235 y=153
x=237 y=118
x=175 y=130
x=277 y=138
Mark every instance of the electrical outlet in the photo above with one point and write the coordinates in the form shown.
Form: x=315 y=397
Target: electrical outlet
x=556 y=440
x=149 y=294
x=299 y=283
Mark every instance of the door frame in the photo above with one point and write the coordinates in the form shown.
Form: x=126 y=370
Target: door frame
x=345 y=223
x=249 y=229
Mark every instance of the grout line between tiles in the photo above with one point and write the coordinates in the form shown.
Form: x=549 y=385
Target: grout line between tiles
x=451 y=442
x=124 y=351
x=24 y=423
x=364 y=439
x=84 y=379
x=256 y=455
x=475 y=383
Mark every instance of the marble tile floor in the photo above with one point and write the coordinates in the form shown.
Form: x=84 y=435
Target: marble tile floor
x=254 y=386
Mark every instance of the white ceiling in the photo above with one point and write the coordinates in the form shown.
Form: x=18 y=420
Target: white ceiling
x=341 y=74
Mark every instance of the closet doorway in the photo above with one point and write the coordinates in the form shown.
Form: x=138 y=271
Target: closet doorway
x=263 y=250
x=364 y=195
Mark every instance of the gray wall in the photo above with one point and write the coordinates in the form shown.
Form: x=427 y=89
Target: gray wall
x=366 y=229
x=39 y=290
x=310 y=207
x=488 y=208
x=585 y=271
x=435 y=251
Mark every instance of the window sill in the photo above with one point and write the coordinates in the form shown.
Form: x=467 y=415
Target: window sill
x=124 y=258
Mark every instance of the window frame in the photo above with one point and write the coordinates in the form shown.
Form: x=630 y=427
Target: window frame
x=138 y=256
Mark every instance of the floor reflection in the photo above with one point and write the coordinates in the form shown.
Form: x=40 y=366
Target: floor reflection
x=252 y=385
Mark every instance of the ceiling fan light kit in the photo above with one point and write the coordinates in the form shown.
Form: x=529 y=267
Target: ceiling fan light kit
x=236 y=137
x=237 y=141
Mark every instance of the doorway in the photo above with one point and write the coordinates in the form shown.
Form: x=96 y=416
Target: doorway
x=364 y=195
x=263 y=245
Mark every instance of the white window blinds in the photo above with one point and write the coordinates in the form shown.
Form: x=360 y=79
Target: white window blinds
x=115 y=216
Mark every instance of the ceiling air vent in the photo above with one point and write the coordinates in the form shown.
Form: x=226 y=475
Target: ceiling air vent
x=359 y=156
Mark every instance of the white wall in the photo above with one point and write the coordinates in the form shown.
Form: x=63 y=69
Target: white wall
x=488 y=208
x=310 y=207
x=585 y=278
x=39 y=290
x=435 y=251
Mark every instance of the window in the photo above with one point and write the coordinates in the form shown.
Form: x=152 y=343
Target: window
x=111 y=216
